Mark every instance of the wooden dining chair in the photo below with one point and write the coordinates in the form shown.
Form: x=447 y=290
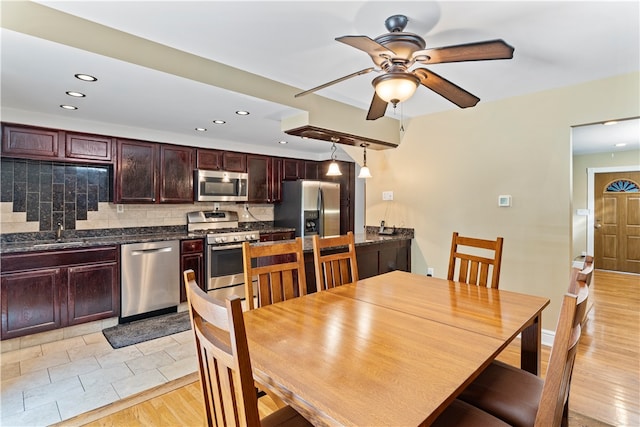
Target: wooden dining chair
x=338 y=265
x=473 y=268
x=523 y=399
x=277 y=269
x=224 y=363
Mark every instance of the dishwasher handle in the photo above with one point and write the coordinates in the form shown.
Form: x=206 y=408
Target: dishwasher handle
x=150 y=251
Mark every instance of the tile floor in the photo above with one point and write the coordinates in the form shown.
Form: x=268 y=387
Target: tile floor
x=50 y=377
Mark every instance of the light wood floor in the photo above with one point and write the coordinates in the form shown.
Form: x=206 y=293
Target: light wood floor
x=605 y=385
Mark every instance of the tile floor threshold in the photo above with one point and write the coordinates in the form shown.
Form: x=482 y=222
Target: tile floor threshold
x=51 y=382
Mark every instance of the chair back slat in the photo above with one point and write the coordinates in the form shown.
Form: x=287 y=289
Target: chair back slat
x=226 y=376
x=473 y=268
x=279 y=270
x=555 y=391
x=334 y=260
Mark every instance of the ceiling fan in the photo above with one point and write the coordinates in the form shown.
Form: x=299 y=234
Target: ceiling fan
x=395 y=52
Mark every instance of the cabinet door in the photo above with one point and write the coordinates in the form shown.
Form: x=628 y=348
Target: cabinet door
x=258 y=170
x=234 y=162
x=275 y=188
x=88 y=147
x=192 y=258
x=193 y=262
x=208 y=159
x=292 y=169
x=136 y=172
x=347 y=190
x=176 y=174
x=93 y=292
x=31 y=302
x=311 y=169
x=30 y=143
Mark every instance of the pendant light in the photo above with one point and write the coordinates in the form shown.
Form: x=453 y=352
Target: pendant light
x=334 y=169
x=364 y=170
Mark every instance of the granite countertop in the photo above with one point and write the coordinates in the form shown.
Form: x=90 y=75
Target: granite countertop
x=33 y=242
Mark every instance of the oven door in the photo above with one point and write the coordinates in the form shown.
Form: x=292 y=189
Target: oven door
x=225 y=271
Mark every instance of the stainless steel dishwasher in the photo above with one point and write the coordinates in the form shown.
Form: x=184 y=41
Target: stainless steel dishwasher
x=150 y=279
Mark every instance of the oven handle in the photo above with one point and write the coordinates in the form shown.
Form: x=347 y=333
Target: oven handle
x=222 y=248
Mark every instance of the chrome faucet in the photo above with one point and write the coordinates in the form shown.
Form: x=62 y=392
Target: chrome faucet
x=59 y=231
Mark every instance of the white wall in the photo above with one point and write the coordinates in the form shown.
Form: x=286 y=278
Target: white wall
x=450 y=168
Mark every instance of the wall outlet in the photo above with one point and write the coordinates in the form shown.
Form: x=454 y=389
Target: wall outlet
x=119 y=208
x=430 y=271
x=387 y=195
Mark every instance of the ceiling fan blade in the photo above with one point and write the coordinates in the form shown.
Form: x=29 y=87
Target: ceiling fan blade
x=479 y=51
x=377 y=108
x=446 y=89
x=366 y=44
x=357 y=73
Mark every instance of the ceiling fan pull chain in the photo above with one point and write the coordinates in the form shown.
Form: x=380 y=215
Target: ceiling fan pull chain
x=401 y=118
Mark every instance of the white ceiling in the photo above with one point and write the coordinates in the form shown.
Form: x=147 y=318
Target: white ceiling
x=292 y=42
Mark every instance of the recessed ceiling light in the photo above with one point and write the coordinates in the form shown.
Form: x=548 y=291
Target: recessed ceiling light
x=86 y=77
x=201 y=129
x=242 y=113
x=612 y=122
x=219 y=122
x=68 y=107
x=75 y=94
x=621 y=144
x=282 y=142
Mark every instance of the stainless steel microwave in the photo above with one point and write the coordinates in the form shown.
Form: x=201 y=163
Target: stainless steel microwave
x=219 y=186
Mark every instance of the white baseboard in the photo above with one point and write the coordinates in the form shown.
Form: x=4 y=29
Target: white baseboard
x=547 y=337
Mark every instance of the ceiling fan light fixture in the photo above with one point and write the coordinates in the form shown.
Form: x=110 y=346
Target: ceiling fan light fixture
x=396 y=87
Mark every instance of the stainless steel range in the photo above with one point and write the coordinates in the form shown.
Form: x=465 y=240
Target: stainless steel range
x=223 y=255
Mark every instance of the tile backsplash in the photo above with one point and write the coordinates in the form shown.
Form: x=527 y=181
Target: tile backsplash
x=51 y=193
x=37 y=195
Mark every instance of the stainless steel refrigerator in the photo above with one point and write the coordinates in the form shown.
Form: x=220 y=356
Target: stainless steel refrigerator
x=312 y=207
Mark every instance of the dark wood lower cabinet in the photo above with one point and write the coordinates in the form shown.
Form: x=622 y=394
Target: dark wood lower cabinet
x=31 y=302
x=91 y=292
x=192 y=258
x=41 y=291
x=373 y=259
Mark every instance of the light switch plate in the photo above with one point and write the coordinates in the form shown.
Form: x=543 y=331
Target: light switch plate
x=387 y=195
x=504 y=200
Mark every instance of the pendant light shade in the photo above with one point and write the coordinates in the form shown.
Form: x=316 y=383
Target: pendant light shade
x=334 y=169
x=364 y=170
x=396 y=87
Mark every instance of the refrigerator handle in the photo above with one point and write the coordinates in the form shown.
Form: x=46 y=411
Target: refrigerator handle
x=321 y=212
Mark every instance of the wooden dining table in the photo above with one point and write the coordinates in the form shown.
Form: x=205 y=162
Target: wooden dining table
x=389 y=350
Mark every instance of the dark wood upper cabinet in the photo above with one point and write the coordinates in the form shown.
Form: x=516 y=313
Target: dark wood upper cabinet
x=36 y=143
x=208 y=159
x=265 y=178
x=28 y=142
x=275 y=183
x=292 y=169
x=347 y=190
x=88 y=148
x=311 y=169
x=136 y=178
x=148 y=172
x=234 y=162
x=259 y=176
x=176 y=174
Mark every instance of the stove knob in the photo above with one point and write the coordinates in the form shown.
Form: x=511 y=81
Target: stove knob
x=219 y=240
x=250 y=237
x=236 y=238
